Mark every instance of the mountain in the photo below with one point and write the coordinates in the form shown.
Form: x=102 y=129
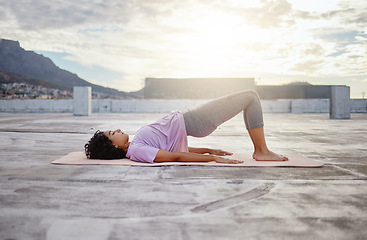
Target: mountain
x=16 y=60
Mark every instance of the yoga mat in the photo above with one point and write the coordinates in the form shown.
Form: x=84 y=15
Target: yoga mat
x=79 y=158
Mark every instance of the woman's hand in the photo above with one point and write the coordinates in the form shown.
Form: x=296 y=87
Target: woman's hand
x=219 y=152
x=227 y=160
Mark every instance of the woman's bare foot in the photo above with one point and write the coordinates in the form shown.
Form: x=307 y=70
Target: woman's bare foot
x=268 y=156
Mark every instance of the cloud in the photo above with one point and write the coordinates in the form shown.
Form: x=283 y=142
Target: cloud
x=44 y=14
x=350 y=13
x=337 y=13
x=269 y=14
x=360 y=18
x=308 y=67
x=313 y=50
x=3 y=12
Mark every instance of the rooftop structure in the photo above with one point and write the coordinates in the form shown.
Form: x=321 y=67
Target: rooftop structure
x=198 y=88
x=293 y=91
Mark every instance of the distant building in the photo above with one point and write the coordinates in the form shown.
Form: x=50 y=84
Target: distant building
x=201 y=88
x=293 y=91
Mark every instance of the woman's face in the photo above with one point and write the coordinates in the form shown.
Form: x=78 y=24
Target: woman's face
x=118 y=138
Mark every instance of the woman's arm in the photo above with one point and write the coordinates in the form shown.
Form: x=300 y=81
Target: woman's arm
x=165 y=156
x=218 y=152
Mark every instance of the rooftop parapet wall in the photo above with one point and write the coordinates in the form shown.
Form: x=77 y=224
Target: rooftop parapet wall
x=358 y=105
x=36 y=106
x=167 y=105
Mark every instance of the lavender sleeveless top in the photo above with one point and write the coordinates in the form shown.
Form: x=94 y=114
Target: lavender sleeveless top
x=168 y=133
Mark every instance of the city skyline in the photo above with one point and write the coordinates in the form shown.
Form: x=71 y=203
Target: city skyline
x=119 y=43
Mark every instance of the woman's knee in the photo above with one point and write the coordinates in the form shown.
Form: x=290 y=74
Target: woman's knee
x=251 y=94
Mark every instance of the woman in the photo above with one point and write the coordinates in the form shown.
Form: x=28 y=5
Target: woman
x=166 y=139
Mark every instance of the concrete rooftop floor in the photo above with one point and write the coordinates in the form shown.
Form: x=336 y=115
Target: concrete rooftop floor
x=39 y=200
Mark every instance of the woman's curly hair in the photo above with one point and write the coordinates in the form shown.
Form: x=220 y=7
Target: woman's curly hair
x=100 y=147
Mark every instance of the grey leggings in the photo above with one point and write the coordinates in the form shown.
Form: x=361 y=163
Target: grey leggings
x=203 y=120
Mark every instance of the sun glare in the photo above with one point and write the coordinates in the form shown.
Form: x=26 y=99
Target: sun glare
x=213 y=46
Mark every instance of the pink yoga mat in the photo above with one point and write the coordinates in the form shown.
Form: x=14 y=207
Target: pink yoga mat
x=79 y=158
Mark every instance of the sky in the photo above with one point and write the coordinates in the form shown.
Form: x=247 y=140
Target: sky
x=118 y=43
